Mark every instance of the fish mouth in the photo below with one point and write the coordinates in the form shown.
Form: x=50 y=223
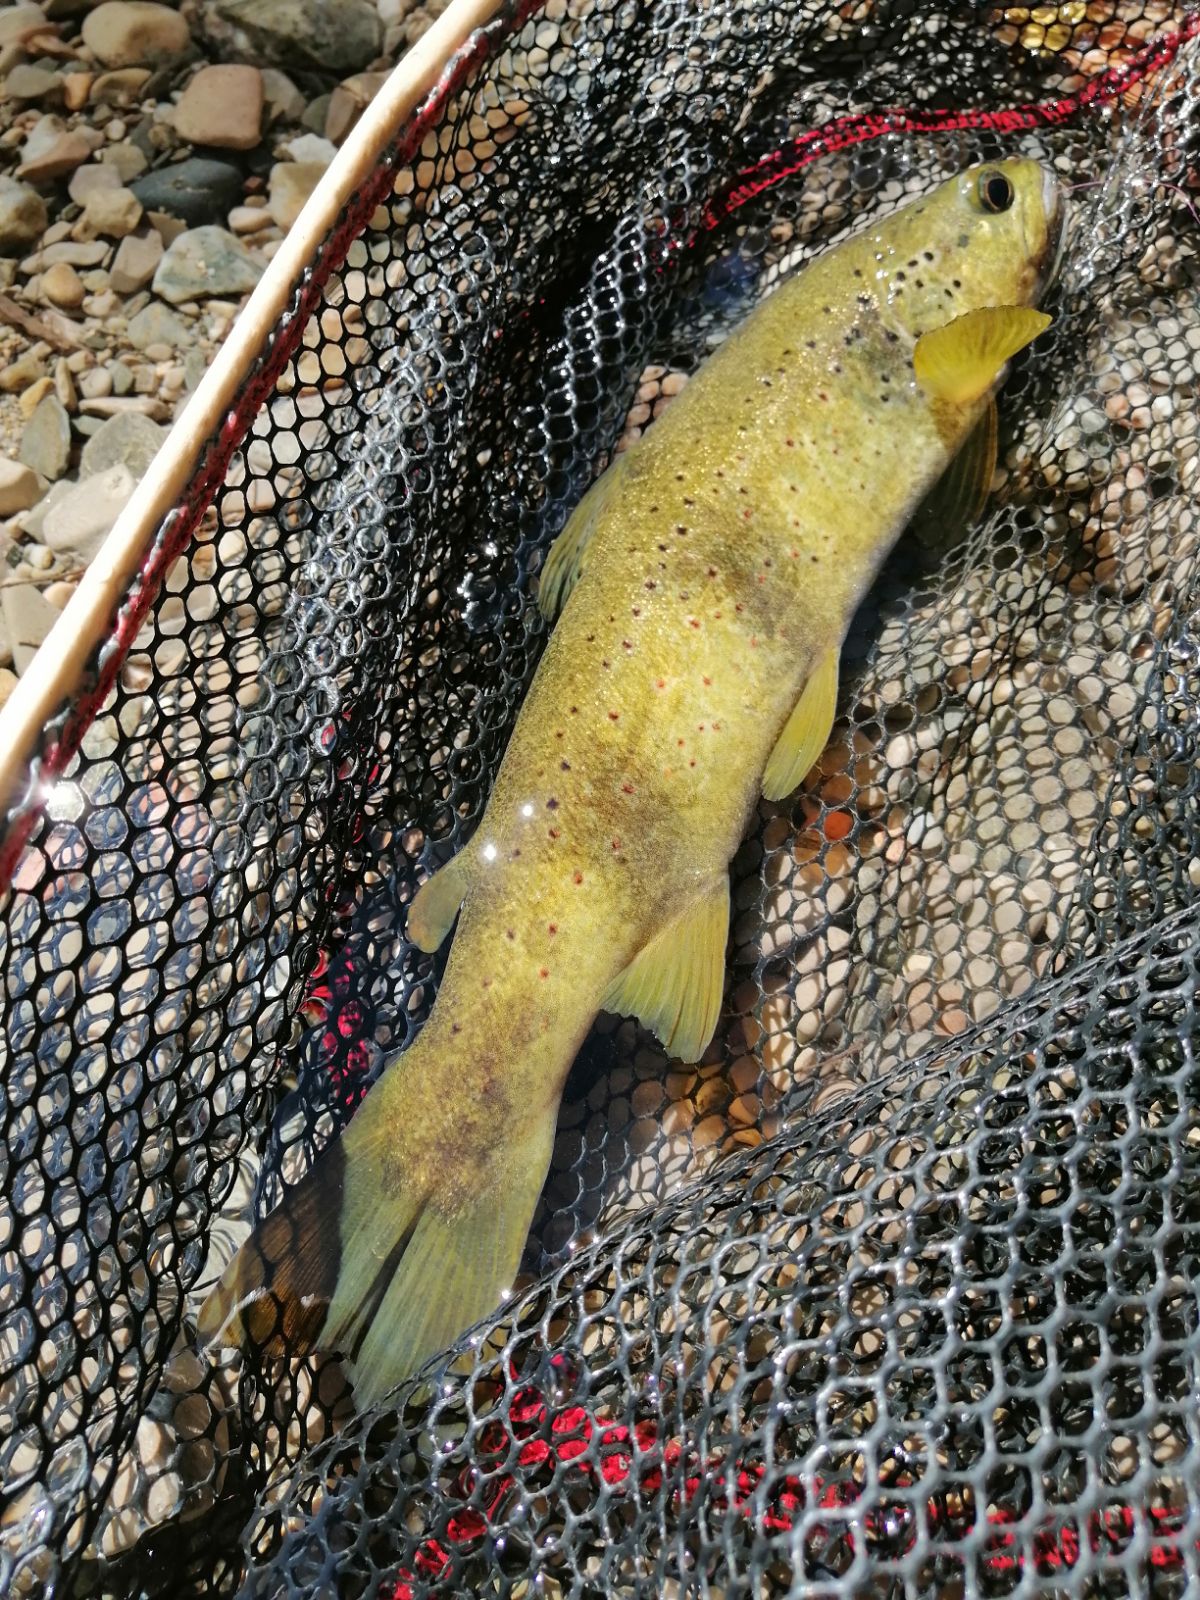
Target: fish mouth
x=1057 y=214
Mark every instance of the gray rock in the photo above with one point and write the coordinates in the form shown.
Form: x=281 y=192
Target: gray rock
x=19 y=487
x=26 y=82
x=198 y=190
x=96 y=383
x=46 y=441
x=23 y=217
x=154 y=325
x=14 y=20
x=311 y=147
x=122 y=377
x=86 y=180
x=109 y=213
x=315 y=114
x=35 y=518
x=135 y=33
x=128 y=439
x=28 y=618
x=284 y=100
x=205 y=262
x=81 y=520
x=136 y=261
x=126 y=159
x=340 y=36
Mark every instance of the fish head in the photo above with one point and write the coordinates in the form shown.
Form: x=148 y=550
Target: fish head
x=992 y=236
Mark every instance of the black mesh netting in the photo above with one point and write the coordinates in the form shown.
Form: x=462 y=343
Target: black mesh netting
x=896 y=1291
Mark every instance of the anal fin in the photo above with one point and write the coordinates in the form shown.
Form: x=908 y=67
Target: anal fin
x=673 y=986
x=435 y=904
x=806 y=732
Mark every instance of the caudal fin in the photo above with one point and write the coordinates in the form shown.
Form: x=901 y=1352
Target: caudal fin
x=384 y=1271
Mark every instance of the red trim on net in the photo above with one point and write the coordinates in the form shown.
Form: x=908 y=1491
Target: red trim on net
x=772 y=169
x=612 y=1459
x=1101 y=91
x=202 y=489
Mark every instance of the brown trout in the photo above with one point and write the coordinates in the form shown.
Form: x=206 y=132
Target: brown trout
x=705 y=584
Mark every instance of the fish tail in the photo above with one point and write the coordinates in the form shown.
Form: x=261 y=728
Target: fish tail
x=385 y=1269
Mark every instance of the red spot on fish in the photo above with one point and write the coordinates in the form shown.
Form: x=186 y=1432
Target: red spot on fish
x=579 y=877
x=626 y=788
x=614 y=716
x=679 y=742
x=746 y=515
x=565 y=765
x=650 y=584
x=454 y=1027
x=739 y=607
x=716 y=727
x=574 y=711
x=605 y=663
x=693 y=622
x=616 y=844
x=554 y=833
x=691 y=763
x=761 y=577
x=552 y=927
x=487 y=983
x=791 y=444
x=706 y=680
x=552 y=803
x=510 y=934
x=543 y=972
x=754 y=641
x=661 y=684
x=712 y=572
x=795 y=554
x=699 y=727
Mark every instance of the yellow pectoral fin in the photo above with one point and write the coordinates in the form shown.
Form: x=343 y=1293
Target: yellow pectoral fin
x=564 y=564
x=673 y=987
x=807 y=731
x=960 y=361
x=435 y=904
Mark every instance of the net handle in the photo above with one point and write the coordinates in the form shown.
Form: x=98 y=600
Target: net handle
x=58 y=669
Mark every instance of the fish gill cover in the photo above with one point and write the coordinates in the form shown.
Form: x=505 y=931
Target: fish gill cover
x=895 y=1292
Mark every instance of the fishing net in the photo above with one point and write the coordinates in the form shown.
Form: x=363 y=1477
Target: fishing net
x=895 y=1292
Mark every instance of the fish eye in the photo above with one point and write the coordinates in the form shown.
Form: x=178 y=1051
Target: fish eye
x=996 y=193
